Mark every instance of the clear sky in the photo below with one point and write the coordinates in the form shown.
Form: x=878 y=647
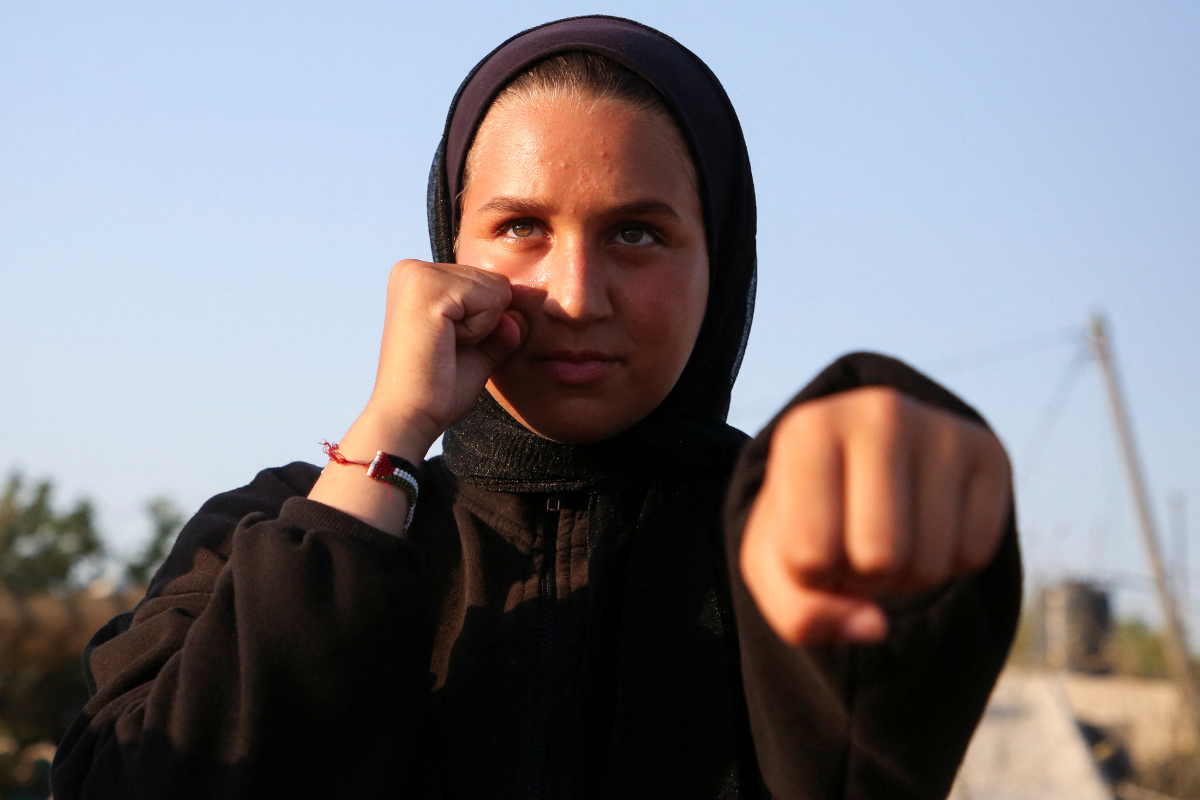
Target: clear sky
x=199 y=204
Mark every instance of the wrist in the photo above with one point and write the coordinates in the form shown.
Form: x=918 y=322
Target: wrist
x=403 y=436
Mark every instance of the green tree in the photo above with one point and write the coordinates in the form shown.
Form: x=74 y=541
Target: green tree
x=1138 y=650
x=46 y=549
x=42 y=549
x=166 y=520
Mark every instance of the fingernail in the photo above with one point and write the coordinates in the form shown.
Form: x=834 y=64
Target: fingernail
x=865 y=626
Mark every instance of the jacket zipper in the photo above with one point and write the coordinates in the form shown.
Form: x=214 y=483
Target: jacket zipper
x=545 y=702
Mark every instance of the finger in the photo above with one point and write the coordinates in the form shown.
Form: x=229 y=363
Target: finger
x=940 y=499
x=802 y=616
x=820 y=617
x=803 y=498
x=480 y=306
x=510 y=332
x=988 y=499
x=878 y=496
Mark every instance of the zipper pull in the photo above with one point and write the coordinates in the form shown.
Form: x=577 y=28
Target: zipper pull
x=553 y=502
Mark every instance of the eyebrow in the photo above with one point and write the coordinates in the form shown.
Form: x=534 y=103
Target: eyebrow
x=513 y=205
x=647 y=208
x=504 y=204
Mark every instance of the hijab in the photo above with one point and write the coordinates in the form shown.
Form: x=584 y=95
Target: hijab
x=687 y=431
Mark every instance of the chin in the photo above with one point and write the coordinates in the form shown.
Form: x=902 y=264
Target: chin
x=575 y=421
x=570 y=429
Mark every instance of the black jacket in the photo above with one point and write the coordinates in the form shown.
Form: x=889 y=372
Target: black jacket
x=502 y=649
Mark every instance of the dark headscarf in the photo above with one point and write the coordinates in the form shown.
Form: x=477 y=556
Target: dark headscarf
x=687 y=431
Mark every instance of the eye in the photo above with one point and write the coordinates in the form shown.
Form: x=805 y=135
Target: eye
x=636 y=235
x=521 y=229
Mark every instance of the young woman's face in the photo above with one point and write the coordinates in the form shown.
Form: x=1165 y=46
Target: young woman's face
x=591 y=211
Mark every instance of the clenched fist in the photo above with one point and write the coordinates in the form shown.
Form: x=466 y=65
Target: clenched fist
x=869 y=493
x=447 y=328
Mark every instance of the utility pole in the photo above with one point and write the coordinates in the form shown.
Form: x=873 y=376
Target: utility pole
x=1177 y=525
x=1177 y=660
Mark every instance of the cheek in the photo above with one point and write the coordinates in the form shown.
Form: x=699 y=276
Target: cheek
x=665 y=309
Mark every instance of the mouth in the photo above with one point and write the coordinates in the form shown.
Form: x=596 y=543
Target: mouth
x=577 y=367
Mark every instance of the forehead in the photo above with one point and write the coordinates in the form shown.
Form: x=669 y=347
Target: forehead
x=580 y=148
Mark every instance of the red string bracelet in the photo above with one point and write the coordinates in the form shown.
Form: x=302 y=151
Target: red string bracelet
x=386 y=468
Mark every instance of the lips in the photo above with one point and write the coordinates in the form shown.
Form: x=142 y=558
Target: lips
x=577 y=367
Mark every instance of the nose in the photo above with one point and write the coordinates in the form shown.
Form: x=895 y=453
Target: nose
x=578 y=283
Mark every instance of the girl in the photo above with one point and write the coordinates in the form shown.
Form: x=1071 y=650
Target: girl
x=600 y=589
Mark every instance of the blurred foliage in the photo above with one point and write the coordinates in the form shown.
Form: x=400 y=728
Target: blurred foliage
x=1138 y=651
x=42 y=549
x=1021 y=653
x=36 y=708
x=166 y=520
x=46 y=549
x=1134 y=649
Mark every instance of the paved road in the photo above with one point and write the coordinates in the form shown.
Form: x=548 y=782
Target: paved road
x=1028 y=747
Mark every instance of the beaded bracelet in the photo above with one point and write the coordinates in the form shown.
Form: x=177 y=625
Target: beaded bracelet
x=386 y=468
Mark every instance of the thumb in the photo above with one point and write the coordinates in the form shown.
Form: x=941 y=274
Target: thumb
x=802 y=614
x=817 y=616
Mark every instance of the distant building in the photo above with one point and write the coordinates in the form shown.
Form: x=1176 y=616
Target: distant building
x=1072 y=628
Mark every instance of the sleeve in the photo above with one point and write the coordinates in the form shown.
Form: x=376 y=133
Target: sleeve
x=280 y=652
x=891 y=720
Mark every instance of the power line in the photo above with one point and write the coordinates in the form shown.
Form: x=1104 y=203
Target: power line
x=1007 y=351
x=1037 y=442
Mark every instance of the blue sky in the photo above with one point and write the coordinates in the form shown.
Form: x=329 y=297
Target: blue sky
x=199 y=204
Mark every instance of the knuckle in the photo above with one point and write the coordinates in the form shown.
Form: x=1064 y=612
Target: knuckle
x=394 y=275
x=401 y=271
x=504 y=290
x=488 y=277
x=884 y=402
x=951 y=442
x=884 y=413
x=799 y=423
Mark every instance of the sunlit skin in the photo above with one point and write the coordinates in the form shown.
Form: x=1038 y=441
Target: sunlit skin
x=580 y=287
x=869 y=493
x=588 y=209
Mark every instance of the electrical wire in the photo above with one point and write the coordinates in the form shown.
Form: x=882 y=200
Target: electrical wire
x=1007 y=351
x=1036 y=445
